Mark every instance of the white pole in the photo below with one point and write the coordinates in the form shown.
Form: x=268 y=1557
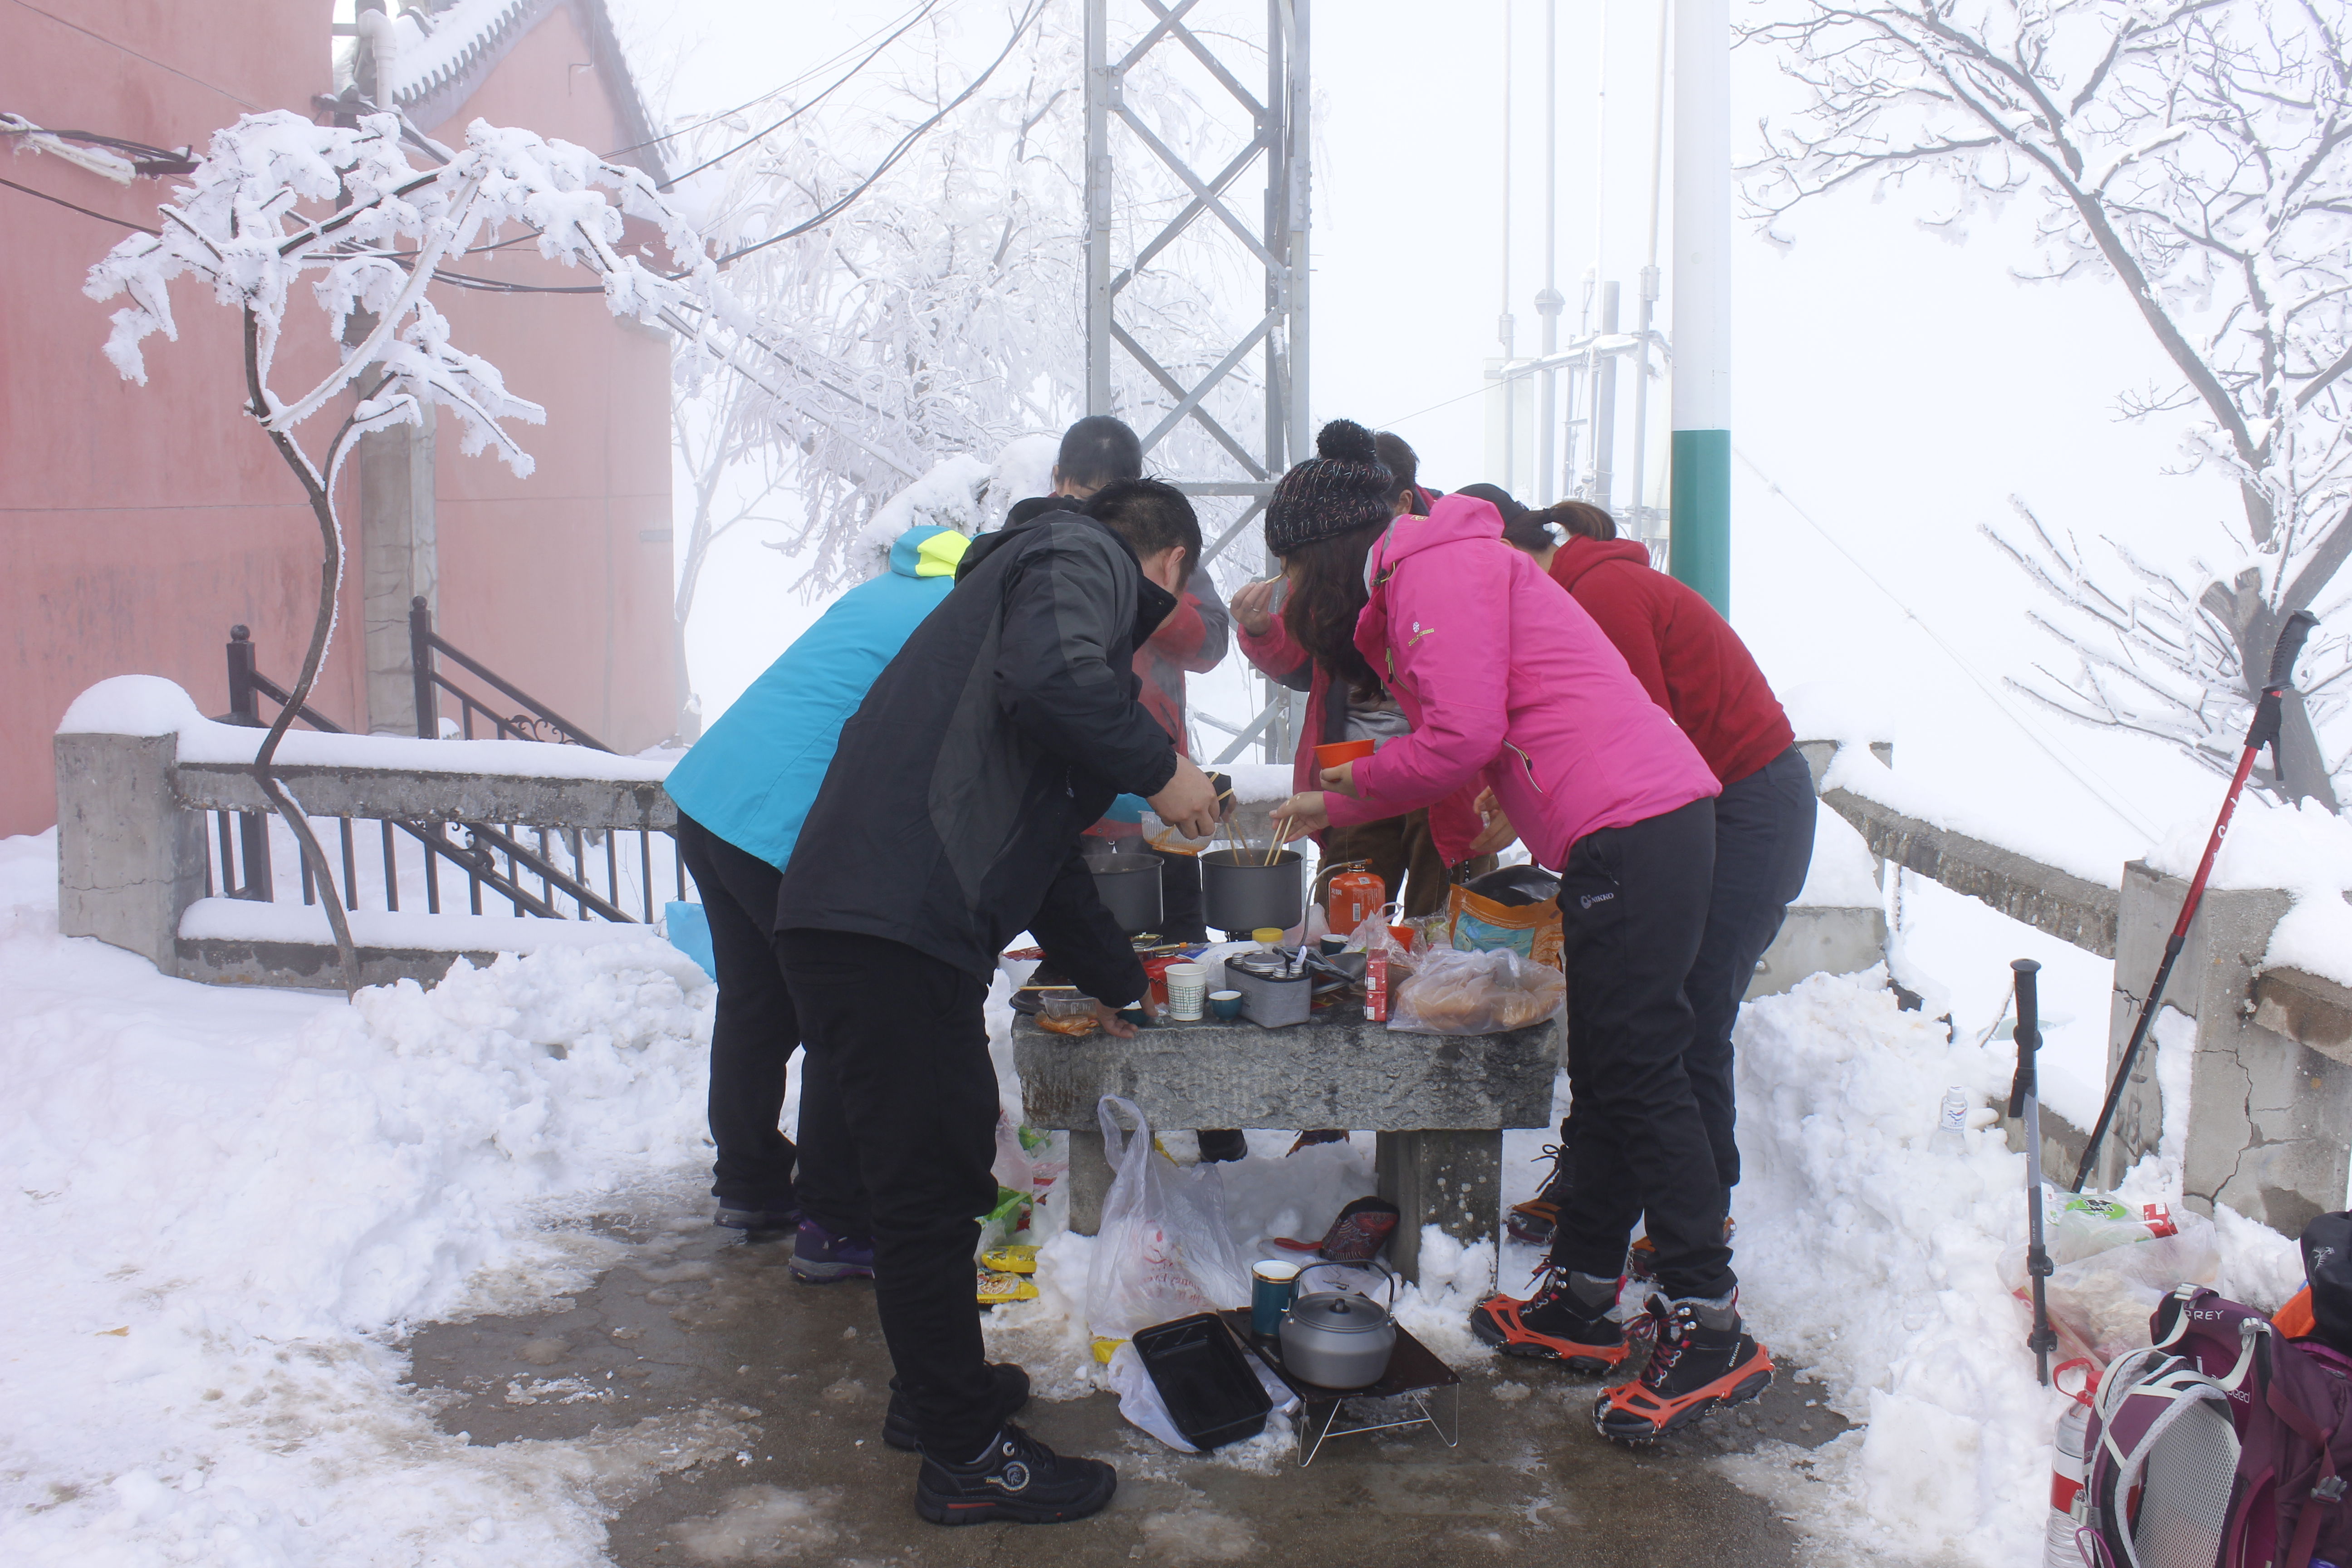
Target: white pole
x=1507 y=325
x=1702 y=299
x=1549 y=302
x=1642 y=530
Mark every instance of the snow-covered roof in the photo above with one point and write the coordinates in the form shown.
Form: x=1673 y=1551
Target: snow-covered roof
x=443 y=50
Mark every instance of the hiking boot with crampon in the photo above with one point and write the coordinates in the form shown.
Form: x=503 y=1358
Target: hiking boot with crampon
x=1534 y=1221
x=1702 y=1363
x=1567 y=1319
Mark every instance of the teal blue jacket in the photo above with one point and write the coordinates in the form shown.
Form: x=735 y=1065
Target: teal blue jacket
x=752 y=777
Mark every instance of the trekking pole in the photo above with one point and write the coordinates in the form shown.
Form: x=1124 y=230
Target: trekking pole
x=2025 y=1101
x=2262 y=731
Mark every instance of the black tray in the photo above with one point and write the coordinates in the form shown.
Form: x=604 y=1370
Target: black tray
x=1204 y=1379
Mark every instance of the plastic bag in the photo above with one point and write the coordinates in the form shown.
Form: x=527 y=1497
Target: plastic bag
x=1477 y=993
x=2105 y=1298
x=2079 y=1226
x=1163 y=1251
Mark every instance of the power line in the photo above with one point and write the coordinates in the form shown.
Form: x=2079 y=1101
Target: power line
x=2098 y=792
x=904 y=142
x=85 y=212
x=748 y=103
x=925 y=10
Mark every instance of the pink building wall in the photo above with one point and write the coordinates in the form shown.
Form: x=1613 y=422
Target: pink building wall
x=138 y=523
x=562 y=582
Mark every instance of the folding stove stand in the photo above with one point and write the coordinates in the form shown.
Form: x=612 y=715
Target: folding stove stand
x=1414 y=1375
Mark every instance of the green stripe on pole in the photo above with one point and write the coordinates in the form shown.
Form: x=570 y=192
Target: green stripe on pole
x=1701 y=552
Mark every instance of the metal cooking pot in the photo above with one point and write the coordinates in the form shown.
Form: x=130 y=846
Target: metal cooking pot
x=1336 y=1339
x=1128 y=885
x=1240 y=892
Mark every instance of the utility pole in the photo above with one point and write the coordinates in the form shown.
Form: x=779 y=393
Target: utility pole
x=1548 y=304
x=1604 y=405
x=1702 y=283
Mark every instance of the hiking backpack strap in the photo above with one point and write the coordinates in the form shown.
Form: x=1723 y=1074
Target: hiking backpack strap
x=2139 y=1399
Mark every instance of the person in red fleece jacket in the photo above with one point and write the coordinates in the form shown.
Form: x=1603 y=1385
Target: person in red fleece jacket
x=1694 y=666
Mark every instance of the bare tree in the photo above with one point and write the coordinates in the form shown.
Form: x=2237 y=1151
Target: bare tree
x=278 y=201
x=2199 y=153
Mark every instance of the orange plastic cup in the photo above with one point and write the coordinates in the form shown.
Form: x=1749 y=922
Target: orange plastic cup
x=1338 y=751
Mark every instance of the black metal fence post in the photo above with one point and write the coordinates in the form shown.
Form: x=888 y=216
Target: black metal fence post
x=420 y=668
x=242 y=706
x=252 y=829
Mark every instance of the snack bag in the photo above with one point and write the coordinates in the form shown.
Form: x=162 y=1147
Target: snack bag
x=1477 y=993
x=1516 y=907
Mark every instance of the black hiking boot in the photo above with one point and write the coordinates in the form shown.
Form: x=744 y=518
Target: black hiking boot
x=758 y=1220
x=1567 y=1319
x=1703 y=1362
x=1222 y=1143
x=898 y=1421
x=1016 y=1478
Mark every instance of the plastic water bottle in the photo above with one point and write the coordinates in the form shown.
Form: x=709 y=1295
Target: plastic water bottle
x=2068 y=1470
x=1950 y=1136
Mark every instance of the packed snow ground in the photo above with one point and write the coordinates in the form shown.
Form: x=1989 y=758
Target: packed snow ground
x=227 y=1203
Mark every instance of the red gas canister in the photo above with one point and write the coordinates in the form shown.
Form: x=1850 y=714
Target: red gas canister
x=1352 y=897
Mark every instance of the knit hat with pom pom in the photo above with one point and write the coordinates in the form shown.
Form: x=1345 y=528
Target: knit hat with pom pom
x=1344 y=485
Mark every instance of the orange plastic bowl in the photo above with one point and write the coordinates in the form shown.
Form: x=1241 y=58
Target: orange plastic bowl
x=1338 y=751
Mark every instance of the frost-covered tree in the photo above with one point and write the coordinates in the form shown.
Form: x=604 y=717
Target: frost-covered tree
x=278 y=203
x=2198 y=153
x=924 y=300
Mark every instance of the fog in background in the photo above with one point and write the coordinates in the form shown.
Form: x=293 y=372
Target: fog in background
x=1896 y=383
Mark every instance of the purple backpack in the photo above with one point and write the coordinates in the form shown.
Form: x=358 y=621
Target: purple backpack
x=2222 y=1445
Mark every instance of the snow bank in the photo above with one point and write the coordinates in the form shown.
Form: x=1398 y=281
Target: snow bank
x=226 y=1202
x=2301 y=849
x=1872 y=1261
x=150 y=705
x=1834 y=711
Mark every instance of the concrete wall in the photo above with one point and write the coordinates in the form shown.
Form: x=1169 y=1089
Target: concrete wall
x=139 y=522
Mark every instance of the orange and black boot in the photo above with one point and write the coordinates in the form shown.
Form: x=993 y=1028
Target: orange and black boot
x=1702 y=1361
x=1568 y=1320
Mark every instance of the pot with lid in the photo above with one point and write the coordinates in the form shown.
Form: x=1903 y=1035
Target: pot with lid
x=1338 y=1339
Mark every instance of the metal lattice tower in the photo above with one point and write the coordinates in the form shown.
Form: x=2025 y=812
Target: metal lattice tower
x=1274 y=240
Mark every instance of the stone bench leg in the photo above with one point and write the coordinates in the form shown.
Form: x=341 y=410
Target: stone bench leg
x=1451 y=1180
x=1087 y=1181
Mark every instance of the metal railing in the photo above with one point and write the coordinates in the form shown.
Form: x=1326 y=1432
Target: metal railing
x=545 y=871
x=535 y=721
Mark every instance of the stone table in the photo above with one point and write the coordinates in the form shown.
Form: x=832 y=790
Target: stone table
x=1438 y=1102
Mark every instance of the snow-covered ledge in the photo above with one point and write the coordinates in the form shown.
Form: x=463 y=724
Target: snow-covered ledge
x=138 y=766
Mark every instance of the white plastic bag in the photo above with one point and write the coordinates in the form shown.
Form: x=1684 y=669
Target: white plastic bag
x=1475 y=993
x=2105 y=1298
x=1163 y=1251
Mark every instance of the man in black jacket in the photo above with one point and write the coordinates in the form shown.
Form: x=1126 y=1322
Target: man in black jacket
x=948 y=823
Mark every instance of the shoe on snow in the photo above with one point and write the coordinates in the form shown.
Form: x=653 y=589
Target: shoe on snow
x=757 y=1219
x=821 y=1257
x=1015 y=1478
x=1703 y=1362
x=898 y=1421
x=1567 y=1319
x=1641 y=1257
x=1222 y=1144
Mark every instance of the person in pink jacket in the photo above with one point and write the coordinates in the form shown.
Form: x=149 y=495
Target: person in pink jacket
x=1508 y=687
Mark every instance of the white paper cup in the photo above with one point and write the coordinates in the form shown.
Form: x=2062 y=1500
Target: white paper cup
x=1188 y=985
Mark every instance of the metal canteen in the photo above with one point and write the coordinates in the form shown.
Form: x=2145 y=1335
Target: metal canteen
x=1240 y=892
x=1128 y=885
x=1336 y=1339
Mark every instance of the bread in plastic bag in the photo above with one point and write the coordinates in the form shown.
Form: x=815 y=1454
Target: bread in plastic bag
x=1485 y=993
x=1163 y=1251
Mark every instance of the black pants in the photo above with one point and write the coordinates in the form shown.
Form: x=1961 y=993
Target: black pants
x=1634 y=904
x=1763 y=848
x=903 y=1035
x=752 y=1043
